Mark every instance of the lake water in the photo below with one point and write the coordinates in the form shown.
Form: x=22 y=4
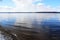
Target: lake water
x=38 y=21
x=16 y=18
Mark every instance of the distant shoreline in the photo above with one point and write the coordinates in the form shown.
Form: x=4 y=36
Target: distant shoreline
x=29 y=12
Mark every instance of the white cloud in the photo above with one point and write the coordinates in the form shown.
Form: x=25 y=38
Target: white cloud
x=27 y=6
x=6 y=9
x=23 y=5
x=44 y=8
x=58 y=8
x=38 y=0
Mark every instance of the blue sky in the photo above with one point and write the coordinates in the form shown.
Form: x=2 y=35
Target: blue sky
x=52 y=3
x=7 y=3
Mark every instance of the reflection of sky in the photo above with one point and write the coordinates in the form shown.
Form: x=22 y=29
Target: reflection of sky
x=51 y=21
x=9 y=21
x=14 y=18
x=46 y=20
x=53 y=24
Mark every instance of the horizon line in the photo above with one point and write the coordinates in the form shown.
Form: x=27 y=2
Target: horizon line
x=29 y=12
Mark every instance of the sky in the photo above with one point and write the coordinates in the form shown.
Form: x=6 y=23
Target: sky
x=53 y=3
x=29 y=5
x=6 y=3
